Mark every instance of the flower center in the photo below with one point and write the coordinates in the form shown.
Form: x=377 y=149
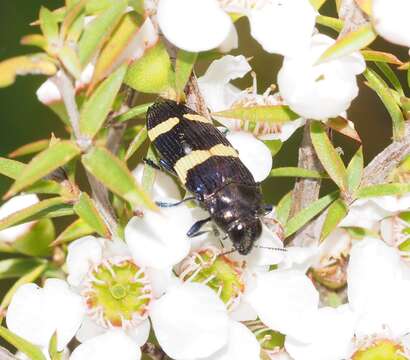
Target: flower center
x=217 y=271
x=381 y=349
x=118 y=294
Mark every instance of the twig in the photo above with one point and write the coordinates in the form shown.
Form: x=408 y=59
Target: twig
x=154 y=352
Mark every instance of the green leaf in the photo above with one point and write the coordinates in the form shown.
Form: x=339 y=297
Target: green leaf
x=365 y=6
x=99 y=30
x=271 y=114
x=183 y=68
x=273 y=145
x=76 y=230
x=73 y=13
x=295 y=172
x=391 y=76
x=380 y=56
x=317 y=4
x=34 y=40
x=68 y=56
x=386 y=96
x=23 y=65
x=153 y=72
x=114 y=174
x=95 y=111
x=327 y=155
x=351 y=42
x=136 y=143
x=17 y=267
x=307 y=214
x=49 y=26
x=44 y=163
x=383 y=190
x=31 y=148
x=330 y=22
x=355 y=171
x=86 y=209
x=11 y=168
x=33 y=352
x=50 y=208
x=116 y=50
x=52 y=348
x=335 y=214
x=283 y=208
x=134 y=112
x=149 y=173
x=36 y=242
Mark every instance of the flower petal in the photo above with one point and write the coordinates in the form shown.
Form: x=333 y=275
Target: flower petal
x=35 y=313
x=190 y=321
x=16 y=203
x=283 y=26
x=254 y=153
x=187 y=23
x=114 y=344
x=286 y=301
x=218 y=93
x=82 y=255
x=242 y=345
x=159 y=240
x=333 y=332
x=390 y=19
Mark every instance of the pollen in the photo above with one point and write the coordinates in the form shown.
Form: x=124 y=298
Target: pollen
x=118 y=294
x=217 y=271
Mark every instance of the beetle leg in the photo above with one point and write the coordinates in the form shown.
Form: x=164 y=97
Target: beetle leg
x=194 y=230
x=162 y=166
x=167 y=205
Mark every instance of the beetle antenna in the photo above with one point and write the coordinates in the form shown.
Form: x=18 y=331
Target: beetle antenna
x=228 y=252
x=270 y=248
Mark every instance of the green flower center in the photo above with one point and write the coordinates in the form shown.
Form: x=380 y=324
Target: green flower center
x=381 y=350
x=118 y=294
x=218 y=272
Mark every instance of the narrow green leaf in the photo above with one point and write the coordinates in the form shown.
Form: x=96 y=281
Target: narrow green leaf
x=355 y=171
x=153 y=72
x=380 y=56
x=33 y=352
x=149 y=173
x=52 y=348
x=76 y=230
x=117 y=49
x=44 y=163
x=36 y=242
x=68 y=56
x=271 y=114
x=31 y=148
x=183 y=68
x=94 y=112
x=24 y=65
x=307 y=214
x=386 y=96
x=383 y=190
x=273 y=145
x=34 y=40
x=72 y=15
x=353 y=41
x=134 y=112
x=87 y=210
x=330 y=22
x=17 y=267
x=335 y=214
x=49 y=25
x=283 y=208
x=365 y=6
x=295 y=172
x=136 y=143
x=317 y=4
x=98 y=31
x=11 y=168
x=328 y=155
x=391 y=76
x=114 y=174
x=53 y=207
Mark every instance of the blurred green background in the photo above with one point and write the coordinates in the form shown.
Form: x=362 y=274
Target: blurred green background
x=23 y=119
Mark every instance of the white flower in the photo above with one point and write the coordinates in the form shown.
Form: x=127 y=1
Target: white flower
x=378 y=289
x=36 y=313
x=220 y=94
x=113 y=344
x=320 y=91
x=368 y=212
x=390 y=19
x=280 y=26
x=16 y=203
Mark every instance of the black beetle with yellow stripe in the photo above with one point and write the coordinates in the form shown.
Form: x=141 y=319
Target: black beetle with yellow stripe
x=195 y=151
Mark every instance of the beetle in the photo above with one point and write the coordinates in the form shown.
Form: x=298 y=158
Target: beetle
x=208 y=166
